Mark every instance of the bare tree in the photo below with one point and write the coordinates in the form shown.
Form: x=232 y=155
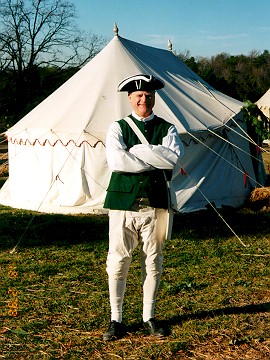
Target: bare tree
x=37 y=35
x=40 y=32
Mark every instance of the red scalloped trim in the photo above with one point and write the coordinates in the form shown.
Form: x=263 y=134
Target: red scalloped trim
x=37 y=141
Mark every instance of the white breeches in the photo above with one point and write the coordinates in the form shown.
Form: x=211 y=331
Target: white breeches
x=127 y=229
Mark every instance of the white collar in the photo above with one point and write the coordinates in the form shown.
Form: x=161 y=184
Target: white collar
x=137 y=117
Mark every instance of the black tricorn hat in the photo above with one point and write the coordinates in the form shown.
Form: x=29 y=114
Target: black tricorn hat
x=140 y=82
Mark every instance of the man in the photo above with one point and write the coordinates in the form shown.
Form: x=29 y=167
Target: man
x=137 y=197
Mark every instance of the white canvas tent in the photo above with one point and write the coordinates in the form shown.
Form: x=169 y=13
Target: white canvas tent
x=57 y=152
x=264 y=104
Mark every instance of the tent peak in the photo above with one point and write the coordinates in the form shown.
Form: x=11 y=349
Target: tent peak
x=170 y=45
x=115 y=29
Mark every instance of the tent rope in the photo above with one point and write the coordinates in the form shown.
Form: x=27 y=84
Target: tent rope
x=193 y=136
x=230 y=116
x=245 y=136
x=28 y=144
x=57 y=178
x=234 y=145
x=22 y=236
x=208 y=147
x=70 y=154
x=214 y=208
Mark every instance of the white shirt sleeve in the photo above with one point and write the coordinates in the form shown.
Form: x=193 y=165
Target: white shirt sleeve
x=142 y=157
x=163 y=156
x=119 y=158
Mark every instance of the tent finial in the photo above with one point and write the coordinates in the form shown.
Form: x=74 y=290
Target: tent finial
x=170 y=45
x=115 y=29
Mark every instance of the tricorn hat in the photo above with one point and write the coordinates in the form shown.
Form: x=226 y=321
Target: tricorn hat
x=140 y=82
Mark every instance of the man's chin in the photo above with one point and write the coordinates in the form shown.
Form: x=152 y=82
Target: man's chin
x=144 y=114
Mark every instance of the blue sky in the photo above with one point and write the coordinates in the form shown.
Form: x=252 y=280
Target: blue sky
x=204 y=27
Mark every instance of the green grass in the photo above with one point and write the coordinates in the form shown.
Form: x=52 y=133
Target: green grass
x=214 y=295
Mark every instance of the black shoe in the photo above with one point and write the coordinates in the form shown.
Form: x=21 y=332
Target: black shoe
x=115 y=331
x=153 y=329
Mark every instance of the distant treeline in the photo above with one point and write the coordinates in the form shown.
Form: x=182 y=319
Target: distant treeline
x=239 y=76
x=20 y=93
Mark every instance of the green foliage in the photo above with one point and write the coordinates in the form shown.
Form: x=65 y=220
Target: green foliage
x=255 y=119
x=239 y=76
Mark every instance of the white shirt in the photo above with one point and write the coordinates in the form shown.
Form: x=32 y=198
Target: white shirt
x=142 y=157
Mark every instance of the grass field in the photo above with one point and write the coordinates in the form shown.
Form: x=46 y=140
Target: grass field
x=214 y=296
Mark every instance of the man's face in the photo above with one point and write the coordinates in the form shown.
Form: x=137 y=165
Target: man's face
x=142 y=102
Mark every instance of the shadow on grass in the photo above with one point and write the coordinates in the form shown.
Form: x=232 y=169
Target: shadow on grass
x=38 y=229
x=203 y=315
x=232 y=310
x=204 y=224
x=30 y=229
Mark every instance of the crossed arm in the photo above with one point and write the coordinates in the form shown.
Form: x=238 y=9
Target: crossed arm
x=142 y=157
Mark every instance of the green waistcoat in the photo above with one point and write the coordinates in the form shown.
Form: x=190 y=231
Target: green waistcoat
x=125 y=187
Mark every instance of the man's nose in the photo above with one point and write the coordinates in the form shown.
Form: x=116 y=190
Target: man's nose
x=145 y=98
